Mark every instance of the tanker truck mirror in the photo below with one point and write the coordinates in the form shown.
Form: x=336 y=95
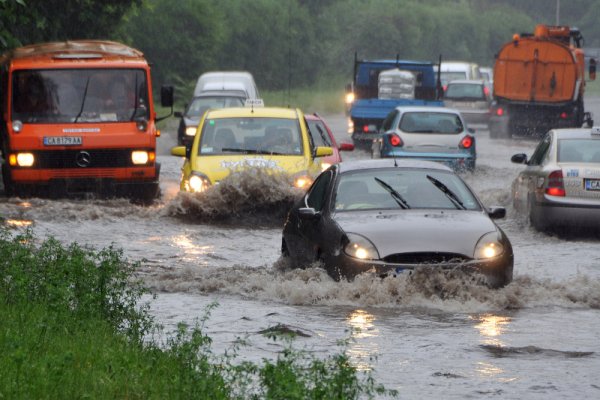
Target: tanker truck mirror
x=592 y=71
x=166 y=96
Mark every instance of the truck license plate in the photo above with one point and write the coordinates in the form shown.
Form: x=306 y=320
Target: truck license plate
x=62 y=141
x=592 y=184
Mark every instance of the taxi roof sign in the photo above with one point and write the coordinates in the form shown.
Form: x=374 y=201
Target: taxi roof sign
x=254 y=103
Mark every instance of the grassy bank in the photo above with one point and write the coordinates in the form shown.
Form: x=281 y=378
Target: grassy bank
x=72 y=327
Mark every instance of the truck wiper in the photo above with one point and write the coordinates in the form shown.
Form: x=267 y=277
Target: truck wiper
x=87 y=84
x=395 y=195
x=449 y=193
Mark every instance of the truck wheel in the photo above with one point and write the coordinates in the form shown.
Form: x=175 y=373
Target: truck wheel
x=145 y=194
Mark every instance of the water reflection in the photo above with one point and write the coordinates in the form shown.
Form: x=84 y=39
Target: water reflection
x=19 y=223
x=192 y=251
x=363 y=348
x=491 y=327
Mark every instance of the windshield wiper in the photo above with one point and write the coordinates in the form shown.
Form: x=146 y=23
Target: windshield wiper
x=87 y=84
x=395 y=195
x=449 y=193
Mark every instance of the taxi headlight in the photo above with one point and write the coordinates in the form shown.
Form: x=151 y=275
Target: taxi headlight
x=190 y=131
x=21 y=159
x=198 y=183
x=360 y=247
x=488 y=246
x=303 y=182
x=140 y=157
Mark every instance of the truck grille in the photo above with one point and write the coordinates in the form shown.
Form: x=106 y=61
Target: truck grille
x=83 y=158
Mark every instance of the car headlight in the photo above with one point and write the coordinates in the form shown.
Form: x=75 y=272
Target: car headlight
x=141 y=157
x=360 y=247
x=197 y=183
x=303 y=182
x=488 y=246
x=324 y=166
x=190 y=131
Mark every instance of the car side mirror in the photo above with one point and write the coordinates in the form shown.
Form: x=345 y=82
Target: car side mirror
x=166 y=96
x=346 y=147
x=308 y=214
x=520 y=158
x=323 y=151
x=496 y=212
x=178 y=151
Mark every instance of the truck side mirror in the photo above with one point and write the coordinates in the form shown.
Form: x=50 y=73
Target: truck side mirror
x=592 y=71
x=166 y=96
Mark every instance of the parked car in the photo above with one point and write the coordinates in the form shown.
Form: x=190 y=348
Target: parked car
x=393 y=216
x=471 y=97
x=427 y=133
x=323 y=136
x=189 y=119
x=231 y=139
x=240 y=81
x=560 y=186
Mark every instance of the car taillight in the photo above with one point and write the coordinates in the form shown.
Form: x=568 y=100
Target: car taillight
x=556 y=185
x=395 y=140
x=466 y=142
x=486 y=91
x=563 y=115
x=499 y=111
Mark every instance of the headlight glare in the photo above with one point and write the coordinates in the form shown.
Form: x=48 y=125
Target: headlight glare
x=303 y=182
x=23 y=160
x=140 y=157
x=198 y=183
x=190 y=131
x=489 y=246
x=360 y=247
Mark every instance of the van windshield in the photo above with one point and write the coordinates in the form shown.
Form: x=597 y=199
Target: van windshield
x=79 y=95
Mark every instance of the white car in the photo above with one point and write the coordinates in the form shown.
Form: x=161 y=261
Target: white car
x=560 y=186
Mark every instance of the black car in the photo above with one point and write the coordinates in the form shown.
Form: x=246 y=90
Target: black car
x=195 y=110
x=391 y=216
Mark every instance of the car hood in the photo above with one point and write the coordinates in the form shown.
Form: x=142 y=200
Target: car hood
x=407 y=231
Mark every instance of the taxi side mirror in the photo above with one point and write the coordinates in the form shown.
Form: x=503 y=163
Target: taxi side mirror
x=322 y=151
x=178 y=151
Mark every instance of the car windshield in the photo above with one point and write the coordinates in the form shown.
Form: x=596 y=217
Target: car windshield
x=431 y=122
x=464 y=91
x=261 y=135
x=579 y=150
x=200 y=104
x=447 y=76
x=79 y=95
x=401 y=188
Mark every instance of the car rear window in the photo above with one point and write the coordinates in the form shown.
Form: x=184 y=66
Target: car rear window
x=464 y=91
x=431 y=122
x=579 y=150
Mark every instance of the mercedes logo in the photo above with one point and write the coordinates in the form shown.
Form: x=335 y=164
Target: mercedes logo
x=83 y=159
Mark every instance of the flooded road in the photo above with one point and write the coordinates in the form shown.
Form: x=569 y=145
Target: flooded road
x=427 y=336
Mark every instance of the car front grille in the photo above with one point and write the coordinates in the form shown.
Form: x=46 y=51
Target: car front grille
x=425 y=258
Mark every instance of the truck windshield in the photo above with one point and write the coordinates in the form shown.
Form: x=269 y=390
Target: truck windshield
x=79 y=95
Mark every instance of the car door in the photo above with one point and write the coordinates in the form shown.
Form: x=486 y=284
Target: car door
x=310 y=230
x=531 y=180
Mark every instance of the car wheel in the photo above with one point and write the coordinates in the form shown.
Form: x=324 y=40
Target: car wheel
x=534 y=215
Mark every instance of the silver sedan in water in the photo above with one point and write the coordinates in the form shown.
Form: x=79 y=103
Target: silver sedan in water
x=560 y=186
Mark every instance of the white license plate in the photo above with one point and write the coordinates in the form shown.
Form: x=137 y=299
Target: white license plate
x=592 y=184
x=62 y=141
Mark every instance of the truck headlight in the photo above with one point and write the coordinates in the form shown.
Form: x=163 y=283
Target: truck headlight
x=190 y=131
x=21 y=159
x=142 y=157
x=360 y=247
x=488 y=247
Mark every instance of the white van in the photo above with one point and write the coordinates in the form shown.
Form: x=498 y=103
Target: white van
x=458 y=70
x=232 y=81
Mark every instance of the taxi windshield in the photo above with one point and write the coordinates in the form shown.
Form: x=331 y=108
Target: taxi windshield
x=261 y=135
x=79 y=95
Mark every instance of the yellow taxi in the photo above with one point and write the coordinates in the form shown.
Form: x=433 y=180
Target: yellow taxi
x=233 y=139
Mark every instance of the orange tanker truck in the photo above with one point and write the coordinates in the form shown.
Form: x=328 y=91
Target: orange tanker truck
x=78 y=117
x=539 y=82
